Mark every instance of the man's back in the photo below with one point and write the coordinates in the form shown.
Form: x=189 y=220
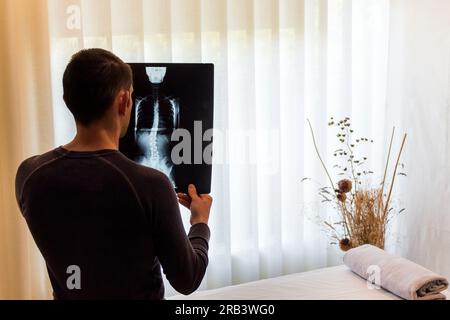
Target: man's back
x=113 y=219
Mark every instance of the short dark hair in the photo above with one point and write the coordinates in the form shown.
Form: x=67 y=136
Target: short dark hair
x=91 y=82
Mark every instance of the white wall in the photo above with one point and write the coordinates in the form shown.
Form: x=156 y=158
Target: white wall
x=418 y=101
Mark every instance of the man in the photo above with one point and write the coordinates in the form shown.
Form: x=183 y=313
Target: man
x=103 y=223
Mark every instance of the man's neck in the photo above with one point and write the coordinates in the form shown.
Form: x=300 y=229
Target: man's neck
x=93 y=139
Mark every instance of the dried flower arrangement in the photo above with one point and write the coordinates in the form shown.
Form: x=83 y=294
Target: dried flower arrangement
x=364 y=212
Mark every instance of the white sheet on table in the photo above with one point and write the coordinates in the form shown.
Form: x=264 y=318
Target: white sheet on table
x=336 y=283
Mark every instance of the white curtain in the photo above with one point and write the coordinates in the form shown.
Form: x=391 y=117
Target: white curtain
x=278 y=63
x=26 y=128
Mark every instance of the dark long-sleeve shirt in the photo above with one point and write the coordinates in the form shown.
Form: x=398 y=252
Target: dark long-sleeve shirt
x=110 y=222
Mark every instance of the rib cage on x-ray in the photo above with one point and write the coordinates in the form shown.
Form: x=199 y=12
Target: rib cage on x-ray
x=157 y=116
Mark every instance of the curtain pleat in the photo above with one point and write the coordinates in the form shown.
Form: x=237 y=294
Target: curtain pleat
x=267 y=118
x=315 y=110
x=127 y=29
x=96 y=23
x=241 y=142
x=291 y=94
x=157 y=24
x=215 y=50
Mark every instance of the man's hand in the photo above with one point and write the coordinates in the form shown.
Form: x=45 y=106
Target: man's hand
x=200 y=205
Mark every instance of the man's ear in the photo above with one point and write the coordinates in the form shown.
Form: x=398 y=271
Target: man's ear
x=123 y=102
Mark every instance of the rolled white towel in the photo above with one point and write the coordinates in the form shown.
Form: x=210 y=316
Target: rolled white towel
x=398 y=275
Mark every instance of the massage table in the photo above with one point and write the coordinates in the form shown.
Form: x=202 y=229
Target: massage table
x=335 y=283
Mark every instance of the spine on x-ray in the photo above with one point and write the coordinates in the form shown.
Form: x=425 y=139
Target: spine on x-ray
x=153 y=145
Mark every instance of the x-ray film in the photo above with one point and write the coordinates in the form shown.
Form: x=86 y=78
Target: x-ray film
x=172 y=121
